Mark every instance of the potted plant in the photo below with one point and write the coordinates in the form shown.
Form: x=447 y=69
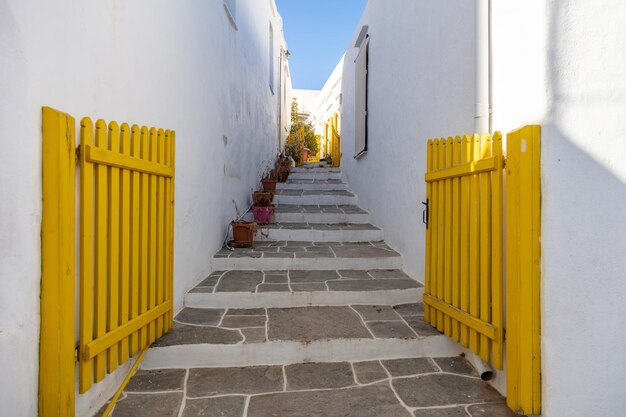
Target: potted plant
x=262 y=198
x=244 y=232
x=269 y=182
x=263 y=209
x=305 y=155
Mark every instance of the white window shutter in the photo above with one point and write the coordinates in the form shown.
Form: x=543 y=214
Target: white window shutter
x=360 y=145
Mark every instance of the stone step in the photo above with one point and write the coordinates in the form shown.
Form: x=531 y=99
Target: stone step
x=399 y=387
x=312 y=185
x=316 y=169
x=268 y=255
x=321 y=232
x=320 y=176
x=282 y=336
x=289 y=213
x=265 y=289
x=319 y=197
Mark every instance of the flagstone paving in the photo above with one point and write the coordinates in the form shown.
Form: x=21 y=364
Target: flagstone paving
x=440 y=387
x=313 y=280
x=344 y=209
x=303 y=324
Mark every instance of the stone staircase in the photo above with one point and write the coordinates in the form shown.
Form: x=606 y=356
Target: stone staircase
x=318 y=319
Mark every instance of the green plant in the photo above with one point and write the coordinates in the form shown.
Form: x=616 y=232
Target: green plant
x=302 y=135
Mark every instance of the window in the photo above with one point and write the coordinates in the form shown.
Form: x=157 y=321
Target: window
x=271 y=53
x=230 y=6
x=361 y=64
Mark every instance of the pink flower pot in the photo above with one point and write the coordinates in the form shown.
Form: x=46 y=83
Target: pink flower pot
x=262 y=214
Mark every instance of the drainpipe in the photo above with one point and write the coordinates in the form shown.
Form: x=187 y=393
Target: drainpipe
x=482 y=112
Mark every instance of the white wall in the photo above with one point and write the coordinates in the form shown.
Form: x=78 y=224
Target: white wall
x=584 y=211
x=329 y=99
x=421 y=74
x=555 y=63
x=177 y=65
x=305 y=98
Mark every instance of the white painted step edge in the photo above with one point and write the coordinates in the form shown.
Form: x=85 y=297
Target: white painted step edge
x=265 y=264
x=309 y=235
x=314 y=176
x=311 y=186
x=302 y=298
x=289 y=352
x=319 y=199
x=327 y=218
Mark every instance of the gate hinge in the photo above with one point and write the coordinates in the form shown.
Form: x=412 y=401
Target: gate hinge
x=77 y=153
x=76 y=350
x=425 y=213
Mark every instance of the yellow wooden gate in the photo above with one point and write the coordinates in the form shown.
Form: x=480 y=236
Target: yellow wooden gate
x=126 y=251
x=334 y=147
x=463 y=288
x=126 y=243
x=464 y=284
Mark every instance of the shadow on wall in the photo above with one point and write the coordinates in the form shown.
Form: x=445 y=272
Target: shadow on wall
x=583 y=285
x=584 y=212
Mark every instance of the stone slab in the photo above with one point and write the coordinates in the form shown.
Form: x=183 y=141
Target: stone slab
x=441 y=412
x=421 y=327
x=240 y=281
x=456 y=365
x=200 y=316
x=230 y=406
x=409 y=366
x=157 y=380
x=188 y=335
x=315 y=323
x=371 y=284
x=444 y=389
x=367 y=372
x=149 y=405
x=254 y=335
x=303 y=376
x=407 y=310
x=391 y=330
x=312 y=276
x=377 y=313
x=238 y=322
x=370 y=401
x=205 y=382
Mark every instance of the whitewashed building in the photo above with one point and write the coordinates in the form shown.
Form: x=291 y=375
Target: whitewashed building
x=213 y=71
x=435 y=69
x=328 y=101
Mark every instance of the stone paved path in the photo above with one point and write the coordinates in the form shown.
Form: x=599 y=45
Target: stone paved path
x=313 y=326
x=420 y=387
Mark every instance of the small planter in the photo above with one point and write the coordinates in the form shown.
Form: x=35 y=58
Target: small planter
x=262 y=198
x=263 y=215
x=305 y=155
x=283 y=174
x=244 y=232
x=269 y=186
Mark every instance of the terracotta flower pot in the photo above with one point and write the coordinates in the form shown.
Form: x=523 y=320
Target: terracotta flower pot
x=269 y=186
x=244 y=232
x=263 y=215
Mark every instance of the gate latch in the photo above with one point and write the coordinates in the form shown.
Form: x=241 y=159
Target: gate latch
x=425 y=213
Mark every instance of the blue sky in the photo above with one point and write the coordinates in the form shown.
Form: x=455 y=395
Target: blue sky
x=318 y=33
